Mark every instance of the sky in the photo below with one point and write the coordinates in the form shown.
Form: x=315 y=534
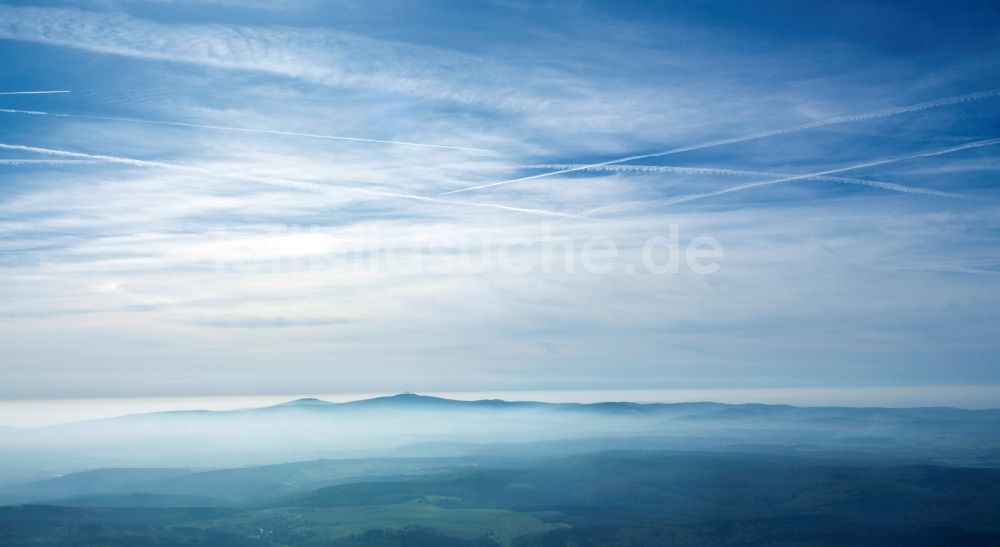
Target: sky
x=251 y=198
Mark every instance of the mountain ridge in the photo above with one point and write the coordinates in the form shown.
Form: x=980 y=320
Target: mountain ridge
x=408 y=400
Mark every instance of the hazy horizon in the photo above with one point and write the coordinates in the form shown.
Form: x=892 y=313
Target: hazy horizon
x=45 y=412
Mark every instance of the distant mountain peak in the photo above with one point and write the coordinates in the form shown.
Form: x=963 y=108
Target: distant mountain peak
x=410 y=395
x=405 y=399
x=307 y=401
x=400 y=398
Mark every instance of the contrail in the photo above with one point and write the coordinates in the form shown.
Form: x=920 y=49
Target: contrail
x=775 y=132
x=948 y=268
x=791 y=178
x=32 y=112
x=18 y=161
x=92 y=157
x=282 y=182
x=32 y=92
x=891 y=186
x=241 y=129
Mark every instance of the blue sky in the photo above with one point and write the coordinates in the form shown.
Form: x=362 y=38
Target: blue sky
x=184 y=258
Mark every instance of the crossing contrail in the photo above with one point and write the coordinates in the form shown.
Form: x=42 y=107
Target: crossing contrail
x=754 y=136
x=791 y=178
x=891 y=186
x=32 y=92
x=240 y=129
x=281 y=182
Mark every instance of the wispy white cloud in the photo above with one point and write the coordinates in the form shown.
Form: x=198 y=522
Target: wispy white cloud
x=117 y=231
x=326 y=57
